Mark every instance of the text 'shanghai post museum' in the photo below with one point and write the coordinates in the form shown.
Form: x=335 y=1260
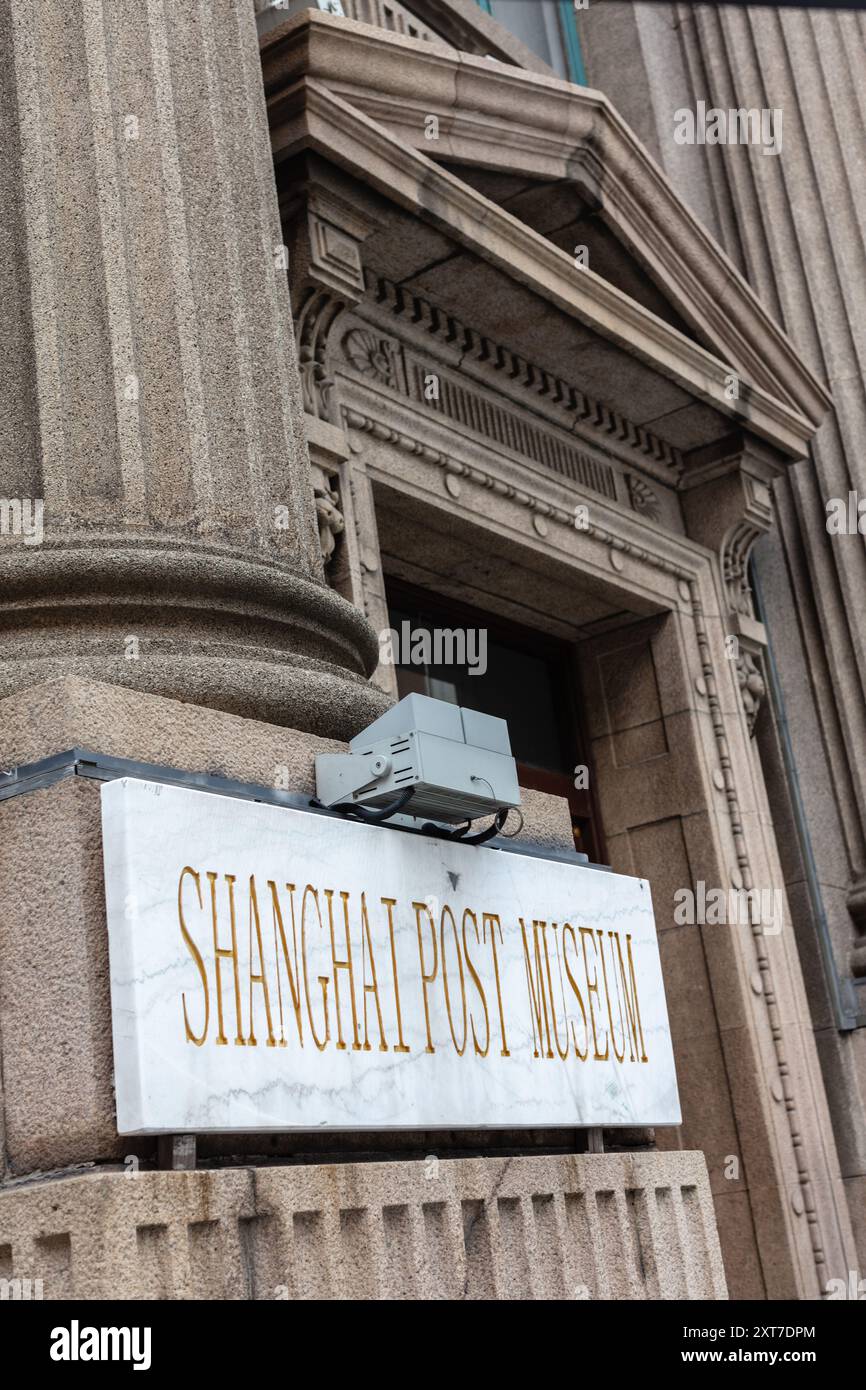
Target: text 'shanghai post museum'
x=432 y=653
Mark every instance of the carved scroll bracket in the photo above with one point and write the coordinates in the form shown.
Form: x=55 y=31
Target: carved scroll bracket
x=728 y=506
x=325 y=233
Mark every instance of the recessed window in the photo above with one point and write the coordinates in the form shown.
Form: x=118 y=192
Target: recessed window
x=548 y=27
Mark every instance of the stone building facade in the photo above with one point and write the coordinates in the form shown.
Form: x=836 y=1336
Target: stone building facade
x=793 y=226
x=369 y=314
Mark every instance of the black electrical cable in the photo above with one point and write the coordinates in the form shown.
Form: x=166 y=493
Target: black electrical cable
x=368 y=817
x=498 y=824
x=460 y=834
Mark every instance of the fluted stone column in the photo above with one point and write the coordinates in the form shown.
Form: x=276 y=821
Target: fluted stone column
x=149 y=392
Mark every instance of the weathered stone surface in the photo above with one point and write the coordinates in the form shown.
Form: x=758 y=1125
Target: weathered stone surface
x=793 y=224
x=154 y=402
x=583 y=1227
x=153 y=391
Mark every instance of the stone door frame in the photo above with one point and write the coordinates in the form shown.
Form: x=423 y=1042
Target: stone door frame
x=764 y=1125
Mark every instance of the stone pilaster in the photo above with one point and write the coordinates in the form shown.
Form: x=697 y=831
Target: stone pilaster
x=152 y=397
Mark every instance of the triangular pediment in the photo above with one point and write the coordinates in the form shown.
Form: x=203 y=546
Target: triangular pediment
x=522 y=169
x=556 y=210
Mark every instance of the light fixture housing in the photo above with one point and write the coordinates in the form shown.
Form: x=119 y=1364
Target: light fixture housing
x=456 y=763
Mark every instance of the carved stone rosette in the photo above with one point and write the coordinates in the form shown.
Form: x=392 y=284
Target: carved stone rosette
x=642 y=497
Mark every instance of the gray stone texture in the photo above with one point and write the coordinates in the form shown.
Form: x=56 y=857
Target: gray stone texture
x=174 y=615
x=152 y=397
x=576 y=1227
x=794 y=225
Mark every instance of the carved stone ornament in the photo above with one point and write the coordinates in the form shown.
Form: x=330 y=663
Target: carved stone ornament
x=728 y=506
x=499 y=360
x=312 y=326
x=752 y=687
x=642 y=498
x=735 y=563
x=328 y=514
x=374 y=355
x=336 y=258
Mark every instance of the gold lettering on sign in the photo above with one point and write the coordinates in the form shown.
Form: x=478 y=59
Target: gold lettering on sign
x=459 y=1048
x=537 y=994
x=591 y=989
x=554 y=927
x=567 y=927
x=222 y=953
x=324 y=980
x=631 y=1000
x=618 y=1055
x=480 y=1051
x=261 y=977
x=390 y=904
x=568 y=1006
x=240 y=1040
x=192 y=1037
x=291 y=974
x=493 y=919
x=343 y=964
x=367 y=946
x=426 y=980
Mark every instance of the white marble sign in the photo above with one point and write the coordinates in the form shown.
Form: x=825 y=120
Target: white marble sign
x=272 y=969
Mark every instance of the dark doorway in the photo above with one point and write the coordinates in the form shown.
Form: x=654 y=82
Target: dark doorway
x=527 y=679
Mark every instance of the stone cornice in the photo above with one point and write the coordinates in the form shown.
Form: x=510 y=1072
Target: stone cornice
x=504 y=117
x=309 y=115
x=591 y=415
x=621 y=536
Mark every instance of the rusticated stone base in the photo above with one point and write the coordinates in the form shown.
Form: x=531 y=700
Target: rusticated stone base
x=610 y=1226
